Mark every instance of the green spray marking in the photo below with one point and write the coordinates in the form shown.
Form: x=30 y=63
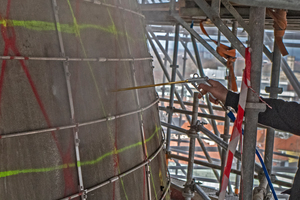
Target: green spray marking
x=127 y=36
x=64 y=28
x=113 y=25
x=64 y=166
x=96 y=85
x=77 y=31
x=153 y=184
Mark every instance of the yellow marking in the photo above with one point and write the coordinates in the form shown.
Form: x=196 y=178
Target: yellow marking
x=147 y=86
x=69 y=165
x=50 y=26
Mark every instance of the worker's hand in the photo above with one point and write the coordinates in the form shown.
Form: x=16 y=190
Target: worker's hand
x=216 y=89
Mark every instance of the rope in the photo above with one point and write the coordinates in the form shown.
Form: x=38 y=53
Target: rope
x=227 y=53
x=280 y=24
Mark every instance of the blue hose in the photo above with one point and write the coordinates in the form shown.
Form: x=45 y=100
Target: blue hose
x=232 y=117
x=266 y=173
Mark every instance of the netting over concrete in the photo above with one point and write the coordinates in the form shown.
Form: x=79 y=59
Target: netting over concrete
x=63 y=131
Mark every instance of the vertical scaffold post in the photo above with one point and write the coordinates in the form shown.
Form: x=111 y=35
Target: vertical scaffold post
x=192 y=133
x=227 y=121
x=166 y=73
x=212 y=121
x=201 y=72
x=253 y=107
x=165 y=64
x=184 y=58
x=274 y=91
x=174 y=69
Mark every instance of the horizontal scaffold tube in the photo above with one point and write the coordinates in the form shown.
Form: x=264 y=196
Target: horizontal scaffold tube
x=100 y=59
x=214 y=138
x=198 y=162
x=186 y=112
x=110 y=118
x=191 y=104
x=115 y=178
x=175 y=110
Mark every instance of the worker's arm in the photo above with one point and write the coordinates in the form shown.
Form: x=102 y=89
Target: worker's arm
x=284 y=115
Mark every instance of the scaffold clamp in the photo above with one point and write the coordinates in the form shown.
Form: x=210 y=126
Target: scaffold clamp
x=84 y=195
x=189 y=190
x=170 y=110
x=197 y=126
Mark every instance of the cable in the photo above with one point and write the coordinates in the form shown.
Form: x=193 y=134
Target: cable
x=232 y=117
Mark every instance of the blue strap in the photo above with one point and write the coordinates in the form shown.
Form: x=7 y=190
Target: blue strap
x=232 y=117
x=192 y=24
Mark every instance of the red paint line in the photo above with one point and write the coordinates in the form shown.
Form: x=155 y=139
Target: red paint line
x=10 y=42
x=67 y=173
x=8 y=9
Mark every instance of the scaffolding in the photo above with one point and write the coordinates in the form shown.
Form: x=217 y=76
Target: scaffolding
x=172 y=21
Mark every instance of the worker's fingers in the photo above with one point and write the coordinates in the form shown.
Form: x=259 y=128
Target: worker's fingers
x=215 y=101
x=204 y=87
x=213 y=83
x=216 y=89
x=202 y=93
x=200 y=96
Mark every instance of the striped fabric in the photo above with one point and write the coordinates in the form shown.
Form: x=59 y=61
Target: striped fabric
x=237 y=127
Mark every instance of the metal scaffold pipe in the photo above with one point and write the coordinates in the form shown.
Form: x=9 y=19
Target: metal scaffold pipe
x=200 y=68
x=192 y=133
x=71 y=59
x=253 y=107
x=167 y=57
x=174 y=69
x=165 y=64
x=166 y=73
x=110 y=118
x=274 y=91
x=290 y=4
x=71 y=101
x=285 y=67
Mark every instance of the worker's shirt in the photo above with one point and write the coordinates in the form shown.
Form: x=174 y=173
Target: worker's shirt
x=284 y=115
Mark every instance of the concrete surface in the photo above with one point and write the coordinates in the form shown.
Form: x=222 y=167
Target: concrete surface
x=40 y=166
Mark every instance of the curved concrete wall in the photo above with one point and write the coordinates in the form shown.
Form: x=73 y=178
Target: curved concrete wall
x=34 y=95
